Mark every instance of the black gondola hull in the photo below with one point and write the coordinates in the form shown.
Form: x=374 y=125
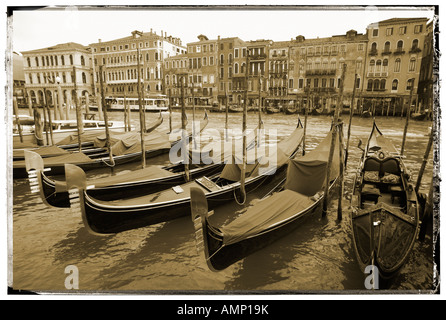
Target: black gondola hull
x=109 y=219
x=124 y=190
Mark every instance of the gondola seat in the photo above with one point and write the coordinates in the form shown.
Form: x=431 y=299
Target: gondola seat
x=370 y=192
x=396 y=191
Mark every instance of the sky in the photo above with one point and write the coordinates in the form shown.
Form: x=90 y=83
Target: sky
x=35 y=29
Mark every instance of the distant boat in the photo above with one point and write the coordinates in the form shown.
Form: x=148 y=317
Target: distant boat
x=64 y=128
x=317 y=111
x=385 y=217
x=235 y=108
x=290 y=110
x=272 y=110
x=366 y=114
x=418 y=116
x=272 y=217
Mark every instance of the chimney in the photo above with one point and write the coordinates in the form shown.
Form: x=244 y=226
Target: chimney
x=99 y=40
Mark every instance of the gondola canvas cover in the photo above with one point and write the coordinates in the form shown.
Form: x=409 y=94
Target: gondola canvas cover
x=130 y=142
x=307 y=174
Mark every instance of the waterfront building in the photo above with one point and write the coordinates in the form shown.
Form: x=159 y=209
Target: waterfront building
x=119 y=61
x=63 y=71
x=317 y=66
x=393 y=64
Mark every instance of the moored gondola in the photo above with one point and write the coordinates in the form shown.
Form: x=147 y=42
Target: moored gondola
x=385 y=217
x=126 y=149
x=120 y=215
x=272 y=217
x=137 y=182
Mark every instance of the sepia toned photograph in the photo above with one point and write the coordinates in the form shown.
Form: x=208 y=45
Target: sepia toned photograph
x=222 y=150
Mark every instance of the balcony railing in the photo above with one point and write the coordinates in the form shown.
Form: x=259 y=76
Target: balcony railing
x=386 y=52
x=320 y=72
x=399 y=51
x=415 y=50
x=373 y=52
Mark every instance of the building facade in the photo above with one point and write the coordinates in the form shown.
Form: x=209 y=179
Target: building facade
x=118 y=60
x=429 y=62
x=383 y=68
x=393 y=64
x=62 y=71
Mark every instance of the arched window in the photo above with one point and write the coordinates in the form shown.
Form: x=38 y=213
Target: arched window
x=62 y=58
x=82 y=61
x=378 y=65
x=385 y=64
x=29 y=61
x=382 y=85
x=371 y=65
x=399 y=45
x=412 y=64
x=376 y=84
x=71 y=59
x=374 y=46
x=37 y=62
x=370 y=85
x=397 y=67
x=415 y=44
x=409 y=84
x=236 y=68
x=84 y=78
x=395 y=84
x=387 y=46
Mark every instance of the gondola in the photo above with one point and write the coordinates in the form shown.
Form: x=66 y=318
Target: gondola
x=418 y=116
x=366 y=114
x=128 y=144
x=135 y=183
x=235 y=109
x=278 y=213
x=290 y=110
x=385 y=218
x=272 y=110
x=103 y=217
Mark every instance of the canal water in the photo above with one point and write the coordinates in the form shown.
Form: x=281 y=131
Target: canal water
x=316 y=257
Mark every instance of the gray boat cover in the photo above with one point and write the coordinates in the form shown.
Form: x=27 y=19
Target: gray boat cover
x=232 y=171
x=151 y=172
x=305 y=177
x=307 y=174
x=46 y=151
x=74 y=158
x=130 y=142
x=265 y=214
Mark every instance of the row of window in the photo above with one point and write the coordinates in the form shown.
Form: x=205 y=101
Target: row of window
x=401 y=30
x=51 y=61
x=132 y=74
x=50 y=78
x=130 y=58
x=375 y=66
x=380 y=84
x=399 y=46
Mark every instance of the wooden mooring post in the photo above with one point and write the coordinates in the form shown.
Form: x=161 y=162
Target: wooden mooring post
x=407 y=118
x=104 y=110
x=141 y=113
x=332 y=145
x=350 y=119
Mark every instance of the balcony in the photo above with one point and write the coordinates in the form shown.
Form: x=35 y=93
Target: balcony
x=399 y=51
x=386 y=52
x=321 y=72
x=261 y=56
x=373 y=52
x=377 y=74
x=415 y=50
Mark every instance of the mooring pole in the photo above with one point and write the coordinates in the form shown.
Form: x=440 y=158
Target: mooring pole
x=141 y=115
x=426 y=157
x=17 y=120
x=333 y=141
x=183 y=131
x=341 y=170
x=306 y=117
x=226 y=113
x=350 y=119
x=80 y=129
x=104 y=110
x=407 y=117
